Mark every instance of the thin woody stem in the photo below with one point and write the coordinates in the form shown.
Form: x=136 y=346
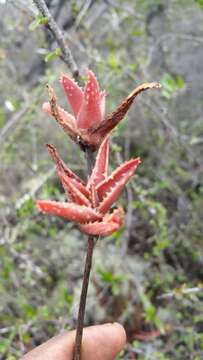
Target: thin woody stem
x=83 y=297
x=70 y=62
x=88 y=264
x=59 y=37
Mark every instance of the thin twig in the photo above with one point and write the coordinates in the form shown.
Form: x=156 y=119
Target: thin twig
x=13 y=121
x=180 y=291
x=88 y=264
x=58 y=35
x=83 y=297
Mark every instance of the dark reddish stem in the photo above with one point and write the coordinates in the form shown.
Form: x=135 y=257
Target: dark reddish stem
x=86 y=276
x=83 y=297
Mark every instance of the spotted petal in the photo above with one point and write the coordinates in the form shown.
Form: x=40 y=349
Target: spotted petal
x=66 y=119
x=100 y=170
x=109 y=190
x=73 y=92
x=90 y=113
x=69 y=211
x=63 y=118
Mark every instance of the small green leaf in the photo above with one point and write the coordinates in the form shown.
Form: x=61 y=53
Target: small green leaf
x=53 y=54
x=39 y=20
x=171 y=84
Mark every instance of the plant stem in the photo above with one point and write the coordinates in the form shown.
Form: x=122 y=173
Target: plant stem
x=83 y=297
x=70 y=62
x=67 y=56
x=88 y=264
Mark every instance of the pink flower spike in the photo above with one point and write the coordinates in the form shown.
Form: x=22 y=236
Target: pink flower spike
x=88 y=204
x=73 y=92
x=69 y=211
x=90 y=112
x=89 y=125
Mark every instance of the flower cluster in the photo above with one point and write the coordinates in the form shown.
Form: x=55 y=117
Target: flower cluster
x=89 y=204
x=89 y=125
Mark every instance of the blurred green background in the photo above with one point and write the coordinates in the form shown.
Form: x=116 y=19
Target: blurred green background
x=160 y=249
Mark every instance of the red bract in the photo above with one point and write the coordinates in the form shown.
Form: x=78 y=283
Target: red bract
x=89 y=203
x=89 y=125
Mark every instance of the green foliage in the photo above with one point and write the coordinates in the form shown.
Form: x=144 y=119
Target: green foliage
x=200 y=3
x=53 y=54
x=150 y=311
x=115 y=281
x=38 y=21
x=27 y=207
x=171 y=85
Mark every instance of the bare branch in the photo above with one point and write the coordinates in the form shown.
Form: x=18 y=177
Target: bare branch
x=58 y=35
x=180 y=291
x=13 y=121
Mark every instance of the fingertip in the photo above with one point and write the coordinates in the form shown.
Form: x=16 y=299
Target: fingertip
x=121 y=333
x=103 y=341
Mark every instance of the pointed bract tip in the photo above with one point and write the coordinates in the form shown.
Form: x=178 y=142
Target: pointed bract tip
x=65 y=79
x=156 y=85
x=64 y=76
x=91 y=76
